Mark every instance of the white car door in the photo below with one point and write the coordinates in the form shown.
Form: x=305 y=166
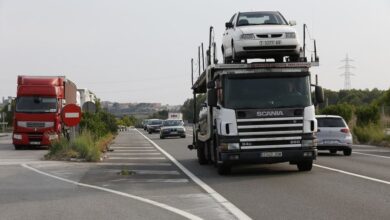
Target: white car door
x=227 y=38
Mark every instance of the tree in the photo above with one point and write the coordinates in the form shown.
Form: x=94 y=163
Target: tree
x=187 y=108
x=344 y=110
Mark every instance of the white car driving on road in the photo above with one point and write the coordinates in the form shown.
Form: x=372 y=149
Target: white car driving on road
x=264 y=34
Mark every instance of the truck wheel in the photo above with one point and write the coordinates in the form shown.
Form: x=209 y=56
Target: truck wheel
x=224 y=169
x=347 y=152
x=201 y=155
x=18 y=147
x=333 y=151
x=305 y=165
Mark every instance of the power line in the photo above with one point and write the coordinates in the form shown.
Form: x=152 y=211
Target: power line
x=347 y=72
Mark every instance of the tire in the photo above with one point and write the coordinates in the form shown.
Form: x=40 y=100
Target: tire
x=333 y=151
x=183 y=136
x=149 y=132
x=234 y=58
x=224 y=169
x=305 y=165
x=347 y=152
x=162 y=137
x=18 y=147
x=201 y=155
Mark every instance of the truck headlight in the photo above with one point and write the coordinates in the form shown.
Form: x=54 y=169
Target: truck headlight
x=247 y=36
x=17 y=136
x=309 y=143
x=290 y=35
x=53 y=137
x=229 y=146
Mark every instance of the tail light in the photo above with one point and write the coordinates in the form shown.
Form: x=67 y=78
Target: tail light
x=345 y=130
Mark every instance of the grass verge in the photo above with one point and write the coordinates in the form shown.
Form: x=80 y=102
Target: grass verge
x=84 y=147
x=371 y=134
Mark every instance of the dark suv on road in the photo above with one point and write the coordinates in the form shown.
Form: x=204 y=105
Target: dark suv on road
x=154 y=125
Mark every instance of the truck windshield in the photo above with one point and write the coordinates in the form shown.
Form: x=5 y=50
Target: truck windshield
x=36 y=104
x=263 y=93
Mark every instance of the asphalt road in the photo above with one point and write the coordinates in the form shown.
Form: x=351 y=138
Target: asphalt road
x=338 y=187
x=135 y=181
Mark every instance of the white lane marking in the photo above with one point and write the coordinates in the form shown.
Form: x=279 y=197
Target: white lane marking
x=145 y=200
x=145 y=172
x=369 y=150
x=136 y=158
x=353 y=174
x=131 y=154
x=133 y=164
x=133 y=151
x=152 y=180
x=218 y=197
x=131 y=148
x=372 y=155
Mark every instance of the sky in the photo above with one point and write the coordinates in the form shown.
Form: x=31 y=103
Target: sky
x=140 y=51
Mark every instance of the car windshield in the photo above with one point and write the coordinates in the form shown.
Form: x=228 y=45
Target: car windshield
x=172 y=123
x=155 y=122
x=36 y=104
x=260 y=18
x=263 y=93
x=331 y=122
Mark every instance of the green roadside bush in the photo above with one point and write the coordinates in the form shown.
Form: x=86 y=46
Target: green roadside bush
x=344 y=110
x=83 y=146
x=366 y=115
x=370 y=134
x=99 y=124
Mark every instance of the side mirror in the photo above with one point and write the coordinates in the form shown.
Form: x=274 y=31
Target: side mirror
x=212 y=97
x=319 y=94
x=292 y=23
x=228 y=25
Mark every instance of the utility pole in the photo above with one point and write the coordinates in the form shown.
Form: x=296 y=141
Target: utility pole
x=347 y=72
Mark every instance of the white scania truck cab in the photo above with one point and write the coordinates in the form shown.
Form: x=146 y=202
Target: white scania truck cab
x=256 y=113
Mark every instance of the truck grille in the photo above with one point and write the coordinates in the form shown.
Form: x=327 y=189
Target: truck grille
x=263 y=133
x=35 y=137
x=35 y=124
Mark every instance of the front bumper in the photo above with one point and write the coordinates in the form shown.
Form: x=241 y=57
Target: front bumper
x=31 y=139
x=253 y=49
x=172 y=134
x=255 y=157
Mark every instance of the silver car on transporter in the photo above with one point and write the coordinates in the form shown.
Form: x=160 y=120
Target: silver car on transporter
x=333 y=134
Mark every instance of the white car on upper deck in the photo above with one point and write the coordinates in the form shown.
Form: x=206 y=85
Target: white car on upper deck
x=263 y=34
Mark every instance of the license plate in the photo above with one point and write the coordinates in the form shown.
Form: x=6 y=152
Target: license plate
x=270 y=43
x=174 y=132
x=35 y=143
x=271 y=154
x=330 y=142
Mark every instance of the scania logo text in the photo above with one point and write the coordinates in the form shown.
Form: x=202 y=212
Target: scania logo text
x=269 y=113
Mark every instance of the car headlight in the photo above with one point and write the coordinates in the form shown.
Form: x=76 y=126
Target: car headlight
x=290 y=35
x=247 y=36
x=18 y=136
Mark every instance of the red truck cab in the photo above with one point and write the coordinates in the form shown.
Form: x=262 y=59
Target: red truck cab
x=39 y=102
